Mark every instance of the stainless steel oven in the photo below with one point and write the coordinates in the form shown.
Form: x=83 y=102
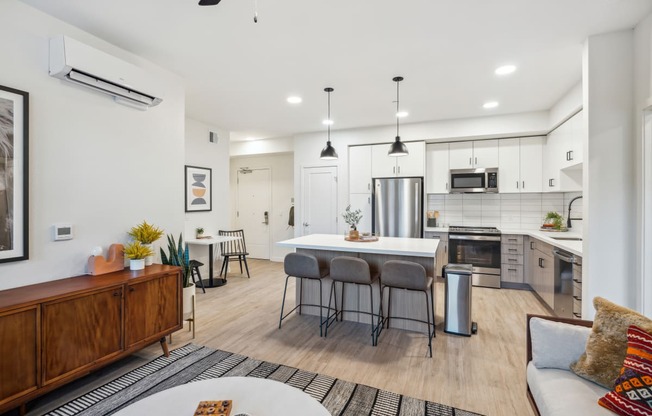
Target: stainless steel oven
x=480 y=247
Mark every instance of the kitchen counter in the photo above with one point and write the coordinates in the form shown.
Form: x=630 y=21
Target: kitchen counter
x=419 y=247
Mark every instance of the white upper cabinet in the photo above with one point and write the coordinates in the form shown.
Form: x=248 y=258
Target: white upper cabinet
x=477 y=154
x=531 y=158
x=563 y=150
x=437 y=168
x=385 y=166
x=573 y=144
x=360 y=169
x=509 y=176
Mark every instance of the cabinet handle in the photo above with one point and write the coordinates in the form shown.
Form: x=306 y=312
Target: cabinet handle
x=476 y=160
x=540 y=262
x=512 y=270
x=512 y=260
x=567 y=156
x=131 y=289
x=523 y=185
x=446 y=249
x=394 y=169
x=531 y=245
x=446 y=185
x=368 y=186
x=470 y=162
x=117 y=293
x=577 y=297
x=570 y=155
x=551 y=182
x=577 y=281
x=512 y=239
x=512 y=249
x=399 y=169
x=368 y=200
x=516 y=184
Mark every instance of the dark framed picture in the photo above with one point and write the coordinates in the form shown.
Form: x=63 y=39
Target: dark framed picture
x=14 y=139
x=199 y=189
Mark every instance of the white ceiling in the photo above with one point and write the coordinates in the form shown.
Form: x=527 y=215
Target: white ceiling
x=238 y=73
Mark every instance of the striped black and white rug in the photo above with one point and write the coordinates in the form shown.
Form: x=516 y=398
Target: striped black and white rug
x=193 y=363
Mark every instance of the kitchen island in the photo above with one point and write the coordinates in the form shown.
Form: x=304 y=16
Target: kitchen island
x=376 y=253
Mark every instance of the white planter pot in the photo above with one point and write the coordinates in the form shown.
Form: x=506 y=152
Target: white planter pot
x=149 y=260
x=188 y=301
x=137 y=264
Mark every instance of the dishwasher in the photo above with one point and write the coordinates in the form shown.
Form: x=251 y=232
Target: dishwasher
x=563 y=269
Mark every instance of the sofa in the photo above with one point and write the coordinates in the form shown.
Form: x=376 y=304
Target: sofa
x=554 y=390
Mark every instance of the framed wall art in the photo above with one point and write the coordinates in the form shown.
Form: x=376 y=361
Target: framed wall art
x=14 y=139
x=199 y=189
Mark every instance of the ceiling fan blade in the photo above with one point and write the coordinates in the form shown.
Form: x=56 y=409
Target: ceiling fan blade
x=209 y=2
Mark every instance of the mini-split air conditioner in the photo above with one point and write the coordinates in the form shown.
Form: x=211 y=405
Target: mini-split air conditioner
x=81 y=64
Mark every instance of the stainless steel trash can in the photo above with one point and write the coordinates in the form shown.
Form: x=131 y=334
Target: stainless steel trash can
x=457 y=305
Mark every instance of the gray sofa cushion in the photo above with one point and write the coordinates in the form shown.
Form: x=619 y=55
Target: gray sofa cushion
x=556 y=344
x=562 y=393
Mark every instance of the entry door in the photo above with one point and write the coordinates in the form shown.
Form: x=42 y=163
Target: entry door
x=320 y=200
x=254 y=210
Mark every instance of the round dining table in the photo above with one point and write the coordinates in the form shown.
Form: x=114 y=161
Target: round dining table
x=249 y=395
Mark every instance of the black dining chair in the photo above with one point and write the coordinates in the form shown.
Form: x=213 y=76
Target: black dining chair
x=233 y=250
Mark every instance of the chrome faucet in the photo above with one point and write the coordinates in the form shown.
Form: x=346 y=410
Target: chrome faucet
x=568 y=222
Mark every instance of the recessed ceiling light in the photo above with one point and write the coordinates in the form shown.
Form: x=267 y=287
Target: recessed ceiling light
x=490 y=104
x=327 y=122
x=294 y=99
x=402 y=114
x=505 y=69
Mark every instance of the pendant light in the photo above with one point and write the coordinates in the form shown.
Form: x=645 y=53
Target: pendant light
x=397 y=148
x=328 y=152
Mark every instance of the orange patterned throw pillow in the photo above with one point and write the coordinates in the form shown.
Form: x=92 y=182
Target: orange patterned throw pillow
x=632 y=392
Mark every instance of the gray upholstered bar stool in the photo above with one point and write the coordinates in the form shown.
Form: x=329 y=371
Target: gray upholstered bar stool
x=355 y=271
x=399 y=274
x=304 y=266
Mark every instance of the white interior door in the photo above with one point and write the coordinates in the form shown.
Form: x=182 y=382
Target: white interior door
x=319 y=200
x=254 y=210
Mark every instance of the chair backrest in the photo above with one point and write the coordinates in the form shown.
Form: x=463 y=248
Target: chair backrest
x=302 y=265
x=233 y=247
x=404 y=274
x=350 y=269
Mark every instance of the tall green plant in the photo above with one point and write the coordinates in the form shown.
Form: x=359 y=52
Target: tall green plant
x=179 y=255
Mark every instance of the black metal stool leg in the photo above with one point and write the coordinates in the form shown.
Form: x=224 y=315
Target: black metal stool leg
x=373 y=331
x=283 y=304
x=425 y=293
x=432 y=308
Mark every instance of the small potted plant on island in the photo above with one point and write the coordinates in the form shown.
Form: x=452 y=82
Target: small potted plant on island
x=199 y=232
x=352 y=218
x=179 y=255
x=136 y=253
x=146 y=234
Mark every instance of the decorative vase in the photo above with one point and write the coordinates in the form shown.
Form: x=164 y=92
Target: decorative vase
x=149 y=260
x=354 y=234
x=200 y=235
x=137 y=264
x=188 y=301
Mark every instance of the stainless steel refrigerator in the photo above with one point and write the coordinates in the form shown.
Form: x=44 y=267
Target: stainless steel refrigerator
x=398 y=207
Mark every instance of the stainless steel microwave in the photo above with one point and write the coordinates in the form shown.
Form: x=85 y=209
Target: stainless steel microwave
x=483 y=180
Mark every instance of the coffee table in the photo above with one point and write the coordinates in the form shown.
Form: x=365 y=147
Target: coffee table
x=255 y=396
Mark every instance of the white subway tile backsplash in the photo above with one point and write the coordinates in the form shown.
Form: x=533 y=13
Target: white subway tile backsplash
x=503 y=210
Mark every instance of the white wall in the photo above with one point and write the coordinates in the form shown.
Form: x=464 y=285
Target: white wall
x=199 y=151
x=282 y=175
x=609 y=249
x=307 y=147
x=260 y=147
x=566 y=106
x=99 y=165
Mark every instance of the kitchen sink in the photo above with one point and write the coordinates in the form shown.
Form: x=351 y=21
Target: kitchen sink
x=567 y=238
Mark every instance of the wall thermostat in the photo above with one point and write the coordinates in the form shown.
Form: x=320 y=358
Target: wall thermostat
x=62 y=232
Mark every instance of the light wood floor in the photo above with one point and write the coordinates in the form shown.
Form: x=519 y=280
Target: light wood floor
x=484 y=373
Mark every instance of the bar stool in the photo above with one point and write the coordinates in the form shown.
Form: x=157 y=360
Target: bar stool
x=194 y=273
x=399 y=274
x=355 y=271
x=304 y=266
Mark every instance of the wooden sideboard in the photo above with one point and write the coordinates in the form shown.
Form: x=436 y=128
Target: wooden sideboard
x=54 y=332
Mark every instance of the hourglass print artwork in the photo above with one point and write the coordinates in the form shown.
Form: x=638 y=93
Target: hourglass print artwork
x=199 y=195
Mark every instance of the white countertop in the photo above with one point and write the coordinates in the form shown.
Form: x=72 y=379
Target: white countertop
x=420 y=247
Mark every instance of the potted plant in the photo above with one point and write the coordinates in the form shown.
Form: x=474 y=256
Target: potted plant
x=136 y=253
x=352 y=218
x=199 y=232
x=179 y=255
x=146 y=234
x=553 y=221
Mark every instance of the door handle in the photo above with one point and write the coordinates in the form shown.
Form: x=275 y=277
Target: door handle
x=266 y=215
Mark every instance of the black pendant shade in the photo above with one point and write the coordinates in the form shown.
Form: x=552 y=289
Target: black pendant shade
x=397 y=148
x=328 y=152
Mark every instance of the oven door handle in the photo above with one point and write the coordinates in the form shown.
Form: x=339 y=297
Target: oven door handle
x=473 y=237
x=562 y=255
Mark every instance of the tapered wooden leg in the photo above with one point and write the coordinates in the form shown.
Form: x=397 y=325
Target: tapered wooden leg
x=164 y=345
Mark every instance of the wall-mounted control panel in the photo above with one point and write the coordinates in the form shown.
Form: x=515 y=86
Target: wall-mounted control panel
x=61 y=232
